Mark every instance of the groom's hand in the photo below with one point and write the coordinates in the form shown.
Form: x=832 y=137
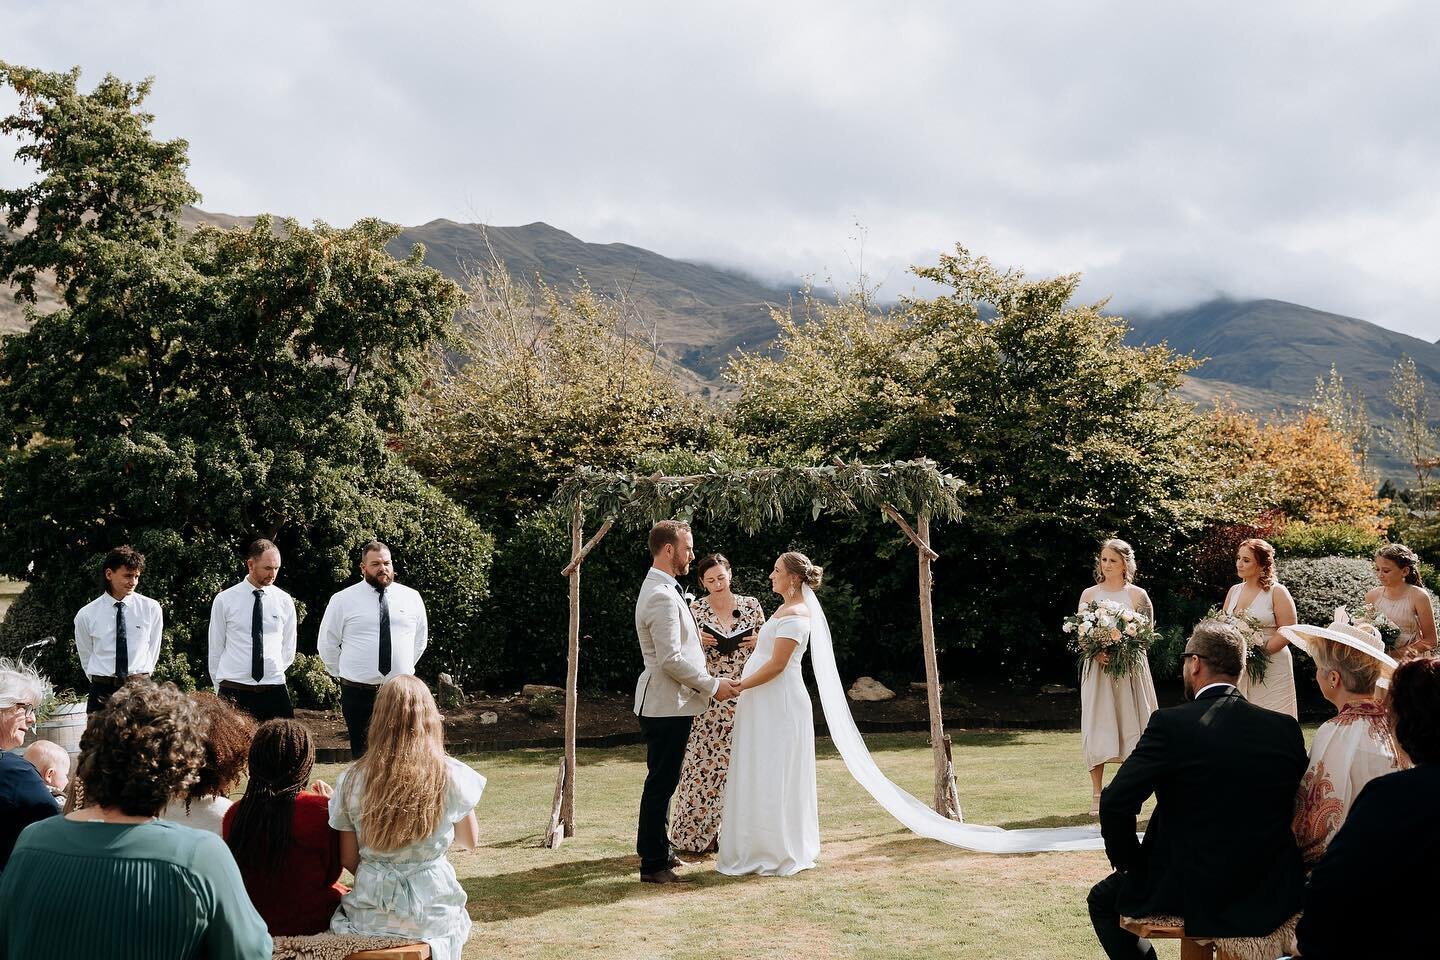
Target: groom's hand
x=727 y=690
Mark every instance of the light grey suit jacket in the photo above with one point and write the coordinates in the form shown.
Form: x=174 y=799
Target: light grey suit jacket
x=675 y=682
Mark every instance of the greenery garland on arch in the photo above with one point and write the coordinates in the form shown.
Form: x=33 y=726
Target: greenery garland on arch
x=761 y=496
x=753 y=499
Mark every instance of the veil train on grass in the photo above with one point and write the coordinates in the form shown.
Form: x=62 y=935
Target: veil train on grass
x=916 y=816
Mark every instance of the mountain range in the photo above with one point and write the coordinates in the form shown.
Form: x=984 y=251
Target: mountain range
x=1265 y=355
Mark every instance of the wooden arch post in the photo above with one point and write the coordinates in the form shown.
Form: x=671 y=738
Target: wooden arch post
x=947 y=798
x=562 y=811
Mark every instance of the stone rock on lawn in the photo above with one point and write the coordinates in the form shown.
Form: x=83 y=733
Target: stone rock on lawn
x=450 y=697
x=540 y=689
x=869 y=689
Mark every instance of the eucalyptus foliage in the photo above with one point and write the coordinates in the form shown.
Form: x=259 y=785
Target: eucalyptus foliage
x=756 y=498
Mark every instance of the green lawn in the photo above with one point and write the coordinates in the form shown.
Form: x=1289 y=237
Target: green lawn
x=879 y=891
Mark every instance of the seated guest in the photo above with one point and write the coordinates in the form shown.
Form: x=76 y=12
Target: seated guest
x=1390 y=840
x=398 y=809
x=281 y=836
x=228 y=732
x=111 y=880
x=24 y=798
x=1218 y=850
x=52 y=763
x=1353 y=747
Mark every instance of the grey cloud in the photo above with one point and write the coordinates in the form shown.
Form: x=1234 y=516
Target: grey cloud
x=1169 y=151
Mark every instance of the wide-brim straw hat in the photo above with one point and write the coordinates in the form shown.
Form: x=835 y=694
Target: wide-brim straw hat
x=1362 y=637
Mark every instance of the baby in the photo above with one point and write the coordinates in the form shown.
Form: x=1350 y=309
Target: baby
x=53 y=763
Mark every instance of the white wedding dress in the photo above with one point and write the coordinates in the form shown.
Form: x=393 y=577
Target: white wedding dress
x=771 y=819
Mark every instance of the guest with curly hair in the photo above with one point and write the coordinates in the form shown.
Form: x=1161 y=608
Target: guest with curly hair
x=1390 y=838
x=281 y=836
x=228 y=732
x=24 y=798
x=116 y=879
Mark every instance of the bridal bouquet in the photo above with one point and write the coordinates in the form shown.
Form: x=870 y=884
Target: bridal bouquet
x=1257 y=658
x=1389 y=632
x=1106 y=627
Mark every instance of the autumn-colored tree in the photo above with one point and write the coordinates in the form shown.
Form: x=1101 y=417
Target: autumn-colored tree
x=1301 y=467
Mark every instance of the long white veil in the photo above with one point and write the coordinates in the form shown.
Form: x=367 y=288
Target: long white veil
x=915 y=815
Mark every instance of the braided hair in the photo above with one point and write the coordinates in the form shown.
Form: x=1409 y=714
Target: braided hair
x=281 y=758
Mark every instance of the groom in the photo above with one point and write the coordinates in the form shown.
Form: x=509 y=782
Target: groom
x=673 y=688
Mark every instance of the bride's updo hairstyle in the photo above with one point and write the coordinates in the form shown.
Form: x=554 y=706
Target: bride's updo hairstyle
x=1127 y=557
x=797 y=563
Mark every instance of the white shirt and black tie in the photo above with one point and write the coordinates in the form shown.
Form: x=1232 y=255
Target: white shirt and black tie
x=95 y=637
x=237 y=615
x=350 y=633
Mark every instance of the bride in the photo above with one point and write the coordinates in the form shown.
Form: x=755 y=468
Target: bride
x=771 y=822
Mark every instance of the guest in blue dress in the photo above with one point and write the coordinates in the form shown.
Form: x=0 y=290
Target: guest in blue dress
x=398 y=809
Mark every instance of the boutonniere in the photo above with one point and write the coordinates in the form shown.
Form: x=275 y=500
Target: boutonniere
x=689 y=597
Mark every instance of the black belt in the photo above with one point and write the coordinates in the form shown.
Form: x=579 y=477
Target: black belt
x=237 y=685
x=358 y=686
x=115 y=681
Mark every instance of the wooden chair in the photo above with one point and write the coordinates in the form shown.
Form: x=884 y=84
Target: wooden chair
x=411 y=951
x=1163 y=928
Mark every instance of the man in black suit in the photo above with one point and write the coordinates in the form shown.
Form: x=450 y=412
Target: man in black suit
x=1219 y=850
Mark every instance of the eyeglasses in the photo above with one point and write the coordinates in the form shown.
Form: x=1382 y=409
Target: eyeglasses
x=28 y=708
x=1197 y=656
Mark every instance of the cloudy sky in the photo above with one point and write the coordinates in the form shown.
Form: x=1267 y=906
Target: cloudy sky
x=1170 y=152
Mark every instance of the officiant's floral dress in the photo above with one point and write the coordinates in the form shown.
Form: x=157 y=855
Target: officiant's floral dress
x=695 y=822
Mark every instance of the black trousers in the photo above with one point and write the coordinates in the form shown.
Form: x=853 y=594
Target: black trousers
x=357 y=703
x=665 y=740
x=1118 y=943
x=101 y=689
x=264 y=701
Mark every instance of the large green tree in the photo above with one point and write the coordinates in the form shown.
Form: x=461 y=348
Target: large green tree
x=197 y=390
x=1065 y=434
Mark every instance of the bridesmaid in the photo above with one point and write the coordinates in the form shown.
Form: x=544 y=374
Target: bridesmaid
x=700 y=799
x=1113 y=710
x=1260 y=595
x=1403 y=600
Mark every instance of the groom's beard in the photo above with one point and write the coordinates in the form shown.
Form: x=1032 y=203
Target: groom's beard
x=1189 y=686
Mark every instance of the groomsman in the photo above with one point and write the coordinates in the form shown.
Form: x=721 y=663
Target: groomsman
x=252 y=638
x=371 y=631
x=118 y=633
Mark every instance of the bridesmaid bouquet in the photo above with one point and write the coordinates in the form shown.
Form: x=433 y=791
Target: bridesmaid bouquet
x=1257 y=658
x=1389 y=632
x=1105 y=626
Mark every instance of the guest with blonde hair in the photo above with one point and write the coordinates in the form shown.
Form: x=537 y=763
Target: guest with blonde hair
x=398 y=809
x=1113 y=710
x=1353 y=747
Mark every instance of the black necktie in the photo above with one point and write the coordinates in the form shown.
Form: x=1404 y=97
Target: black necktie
x=257 y=638
x=384 y=633
x=122 y=647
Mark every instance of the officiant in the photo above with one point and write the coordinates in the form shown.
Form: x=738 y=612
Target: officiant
x=729 y=623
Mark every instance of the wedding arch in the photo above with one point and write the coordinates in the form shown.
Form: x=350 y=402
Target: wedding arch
x=753 y=499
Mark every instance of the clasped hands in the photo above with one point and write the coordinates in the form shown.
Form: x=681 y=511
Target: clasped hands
x=727 y=690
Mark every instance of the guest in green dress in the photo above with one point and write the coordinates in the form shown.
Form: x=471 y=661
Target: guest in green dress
x=112 y=882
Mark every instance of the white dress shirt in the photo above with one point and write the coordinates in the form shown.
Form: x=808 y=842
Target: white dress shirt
x=230 y=636
x=95 y=634
x=350 y=632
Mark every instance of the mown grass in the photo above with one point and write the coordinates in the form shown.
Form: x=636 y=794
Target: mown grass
x=879 y=891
